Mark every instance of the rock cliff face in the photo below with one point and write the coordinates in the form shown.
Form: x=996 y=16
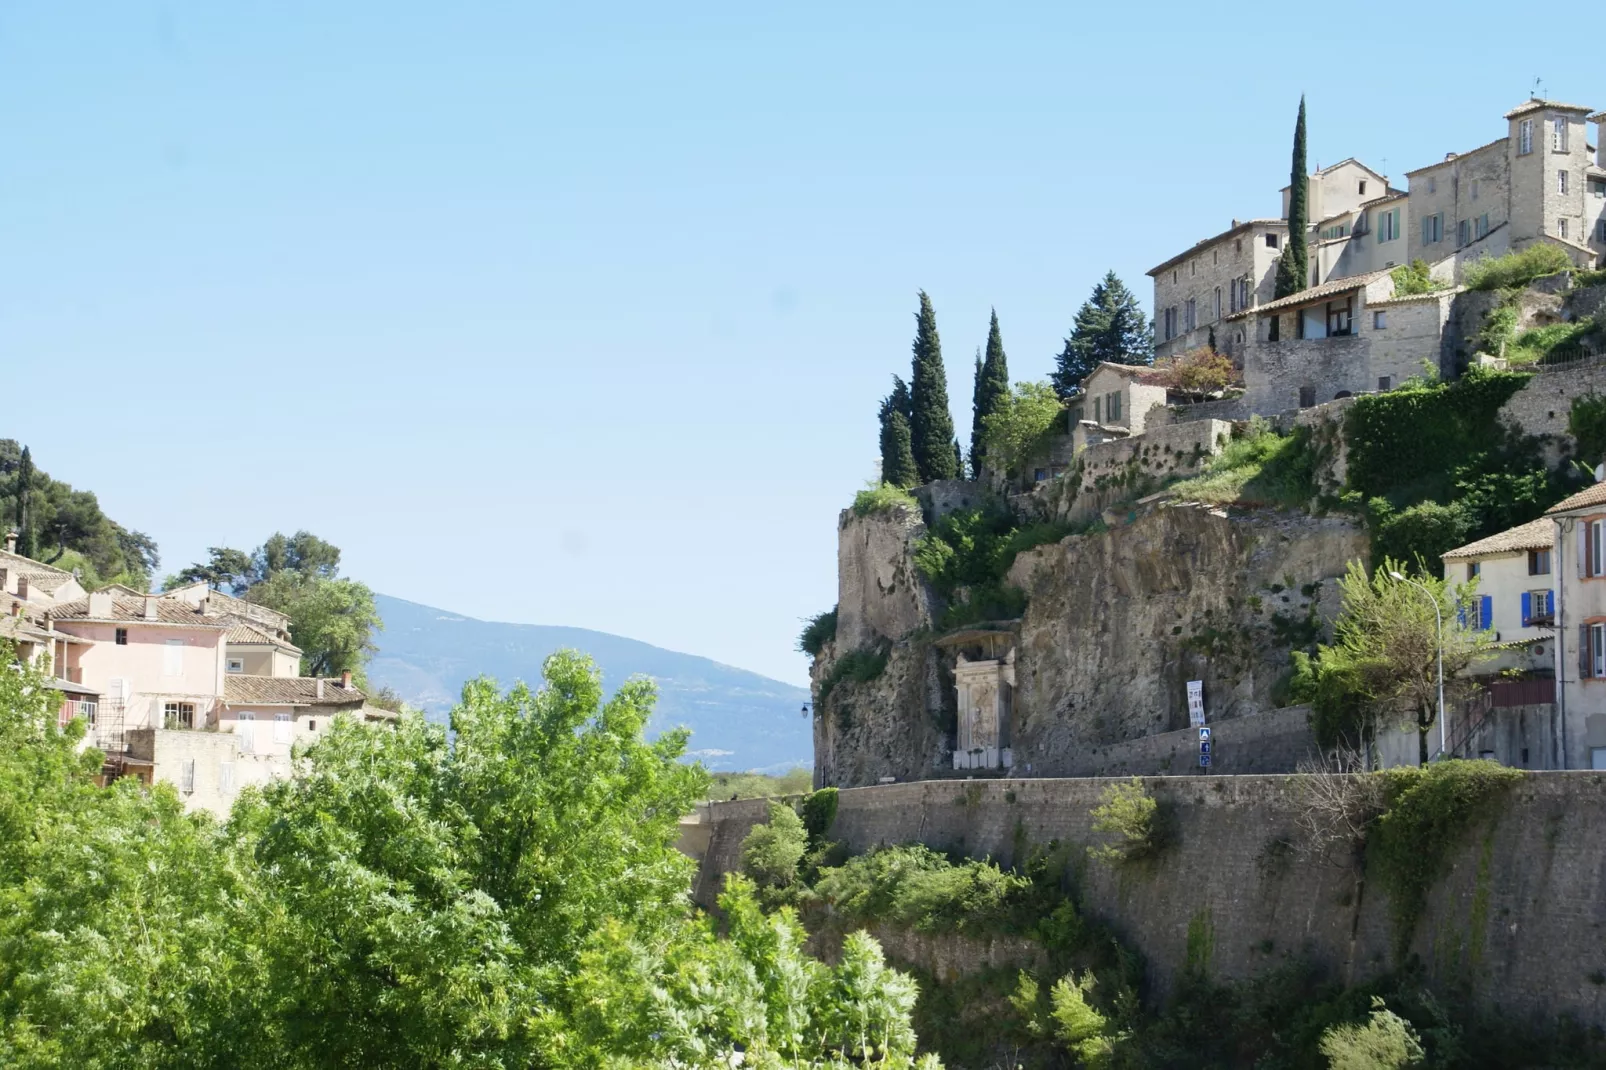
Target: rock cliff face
x=1116 y=625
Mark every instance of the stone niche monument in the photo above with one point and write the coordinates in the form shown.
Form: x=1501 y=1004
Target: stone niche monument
x=984 y=685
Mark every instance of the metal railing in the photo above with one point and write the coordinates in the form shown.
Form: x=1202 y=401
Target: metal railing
x=1567 y=358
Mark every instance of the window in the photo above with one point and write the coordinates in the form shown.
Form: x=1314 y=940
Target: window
x=22 y=586
x=312 y=726
x=1190 y=319
x=1388 y=225
x=1597 y=187
x=1385 y=382
x=1271 y=241
x=1098 y=418
x=178 y=715
x=1485 y=612
x=1112 y=405
x=1525 y=137
x=1561 y=181
x=1561 y=228
x=1591 y=534
x=1433 y=183
x=1215 y=256
x=1339 y=317
x=1380 y=320
x=236 y=665
x=186 y=776
x=1039 y=474
x=1473 y=568
x=1538 y=562
x=1463 y=232
x=1193 y=267
x=1483 y=225
x=1218 y=303
x=1537 y=606
x=1274 y=328
x=173 y=658
x=1170 y=330
x=283 y=728
x=1307 y=396
x=1591 y=651
x=1237 y=246
x=1173 y=276
x=225 y=777
x=246 y=731
x=1558 y=134
x=1600 y=230
x=122 y=636
x=1243 y=293
x=1474 y=189
x=1432 y=228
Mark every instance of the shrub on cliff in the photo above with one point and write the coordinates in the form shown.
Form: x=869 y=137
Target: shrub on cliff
x=1516 y=269
x=1129 y=819
x=817 y=631
x=771 y=852
x=884 y=498
x=1385 y=1042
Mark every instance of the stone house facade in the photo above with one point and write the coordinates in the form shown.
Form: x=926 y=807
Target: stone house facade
x=1195 y=291
x=1579 y=740
x=1116 y=400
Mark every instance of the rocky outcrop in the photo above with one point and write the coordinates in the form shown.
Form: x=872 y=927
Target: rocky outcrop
x=899 y=724
x=880 y=596
x=1118 y=623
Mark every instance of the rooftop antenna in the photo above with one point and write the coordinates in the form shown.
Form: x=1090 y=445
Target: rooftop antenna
x=1538 y=82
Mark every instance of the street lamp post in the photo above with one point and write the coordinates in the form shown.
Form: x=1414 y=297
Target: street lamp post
x=1438 y=643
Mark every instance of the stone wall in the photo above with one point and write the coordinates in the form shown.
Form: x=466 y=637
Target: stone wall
x=1272 y=742
x=1516 y=919
x=1122 y=468
x=1414 y=336
x=1219 y=409
x=1275 y=372
x=1542 y=406
x=900 y=724
x=880 y=595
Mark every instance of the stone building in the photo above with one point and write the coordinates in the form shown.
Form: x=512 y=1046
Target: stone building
x=984 y=690
x=1195 y=291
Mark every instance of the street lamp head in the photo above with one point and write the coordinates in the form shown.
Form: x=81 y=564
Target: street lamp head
x=1397 y=576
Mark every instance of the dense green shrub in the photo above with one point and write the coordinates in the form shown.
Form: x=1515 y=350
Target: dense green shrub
x=1385 y=1042
x=918 y=888
x=1586 y=422
x=1498 y=329
x=965 y=556
x=1419 y=533
x=1261 y=468
x=883 y=499
x=1427 y=811
x=1128 y=816
x=1414 y=278
x=819 y=813
x=1590 y=278
x=1516 y=269
x=859 y=666
x=771 y=851
x=817 y=631
x=1539 y=345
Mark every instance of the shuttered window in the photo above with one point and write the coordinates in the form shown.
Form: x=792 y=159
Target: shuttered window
x=186 y=777
x=173 y=658
x=283 y=728
x=246 y=730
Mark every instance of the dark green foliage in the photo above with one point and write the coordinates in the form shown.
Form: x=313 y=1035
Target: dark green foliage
x=1260 y=468
x=1516 y=270
x=897 y=444
x=1110 y=327
x=1586 y=422
x=931 y=424
x=1414 y=278
x=858 y=666
x=1292 y=268
x=819 y=813
x=992 y=386
x=968 y=552
x=224 y=569
x=817 y=631
x=1440 y=446
x=59 y=525
x=1590 y=278
x=1427 y=812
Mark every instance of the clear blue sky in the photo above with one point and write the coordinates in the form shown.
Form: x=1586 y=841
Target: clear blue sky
x=579 y=314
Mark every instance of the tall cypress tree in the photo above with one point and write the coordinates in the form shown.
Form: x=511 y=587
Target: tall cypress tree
x=26 y=544
x=992 y=386
x=1110 y=327
x=931 y=425
x=897 y=450
x=1292 y=268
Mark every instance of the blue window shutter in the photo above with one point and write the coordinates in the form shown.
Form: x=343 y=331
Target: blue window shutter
x=1485 y=612
x=1527 y=607
x=1550 y=607
x=1460 y=615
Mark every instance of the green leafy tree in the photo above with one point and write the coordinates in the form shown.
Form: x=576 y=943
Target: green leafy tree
x=302 y=553
x=1292 y=266
x=1382 y=667
x=772 y=850
x=992 y=387
x=931 y=424
x=332 y=620
x=1110 y=328
x=1385 y=1042
x=1016 y=430
x=897 y=444
x=224 y=569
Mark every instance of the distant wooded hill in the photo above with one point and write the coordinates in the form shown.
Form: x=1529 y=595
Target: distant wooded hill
x=739 y=719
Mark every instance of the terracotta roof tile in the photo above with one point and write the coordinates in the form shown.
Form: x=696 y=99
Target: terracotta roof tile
x=244 y=632
x=1542 y=105
x=168 y=611
x=1535 y=535
x=1315 y=293
x=1198 y=247
x=240 y=690
x=1595 y=495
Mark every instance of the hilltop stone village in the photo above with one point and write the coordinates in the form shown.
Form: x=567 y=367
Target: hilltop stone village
x=1159 y=600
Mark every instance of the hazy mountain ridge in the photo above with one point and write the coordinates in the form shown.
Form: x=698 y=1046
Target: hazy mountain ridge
x=739 y=719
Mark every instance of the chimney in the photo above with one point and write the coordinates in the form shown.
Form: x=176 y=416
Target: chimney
x=150 y=607
x=345 y=680
x=16 y=608
x=100 y=605
x=11 y=542
x=320 y=689
x=50 y=622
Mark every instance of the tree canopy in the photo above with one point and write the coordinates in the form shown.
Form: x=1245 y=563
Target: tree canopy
x=1292 y=266
x=407 y=902
x=65 y=527
x=1015 y=431
x=897 y=446
x=991 y=387
x=1110 y=327
x=931 y=424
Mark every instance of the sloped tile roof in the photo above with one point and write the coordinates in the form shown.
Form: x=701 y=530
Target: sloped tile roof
x=1535 y=535
x=1315 y=293
x=240 y=690
x=1247 y=224
x=1537 y=104
x=168 y=611
x=1595 y=495
x=244 y=632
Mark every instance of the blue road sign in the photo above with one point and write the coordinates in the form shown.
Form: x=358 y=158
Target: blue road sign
x=1204 y=746
x=1204 y=759
x=1204 y=735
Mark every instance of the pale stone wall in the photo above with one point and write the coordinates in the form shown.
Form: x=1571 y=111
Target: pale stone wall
x=221 y=770
x=1413 y=333
x=1119 y=469
x=1448 y=188
x=1215 y=265
x=1362 y=252
x=1275 y=372
x=880 y=595
x=1522 y=896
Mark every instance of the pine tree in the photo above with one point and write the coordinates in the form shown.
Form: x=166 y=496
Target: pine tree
x=1110 y=326
x=897 y=450
x=26 y=543
x=992 y=386
x=931 y=425
x=1292 y=267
